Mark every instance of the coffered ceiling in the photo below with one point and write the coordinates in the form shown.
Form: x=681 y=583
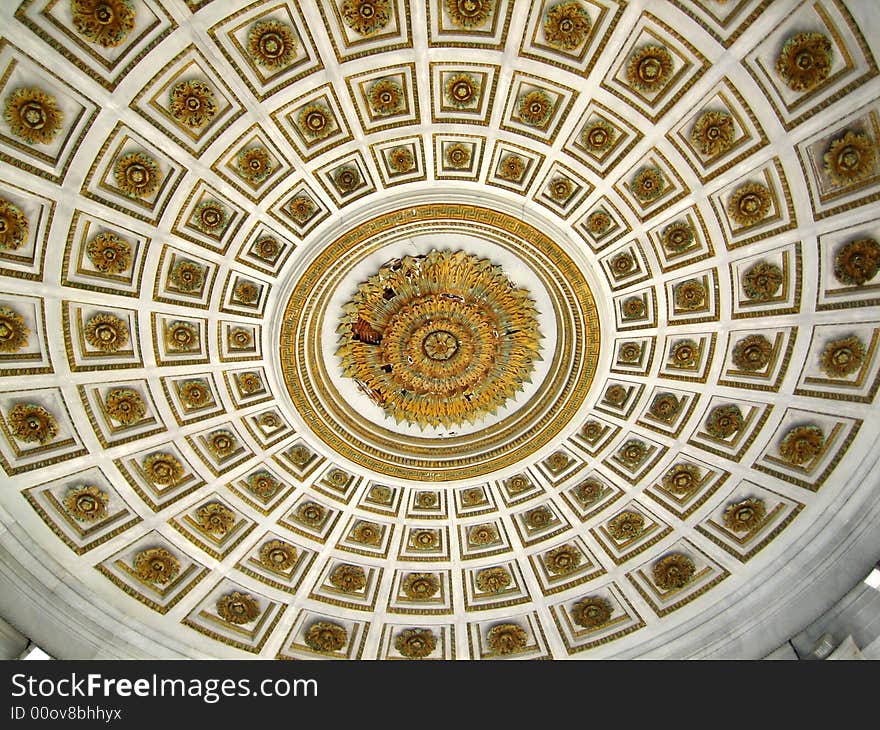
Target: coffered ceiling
x=444 y=329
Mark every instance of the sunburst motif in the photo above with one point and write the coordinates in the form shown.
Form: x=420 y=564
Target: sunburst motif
x=453 y=357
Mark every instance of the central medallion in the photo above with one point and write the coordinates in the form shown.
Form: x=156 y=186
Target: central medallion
x=440 y=339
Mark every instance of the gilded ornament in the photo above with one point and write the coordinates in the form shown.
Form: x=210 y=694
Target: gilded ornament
x=598 y=136
x=850 y=158
x=106 y=23
x=535 y=108
x=86 y=503
x=685 y=354
x=588 y=491
x=633 y=452
x=492 y=580
x=591 y=612
x=278 y=555
x=857 y=262
x=713 y=133
x=222 y=443
x=615 y=395
x=338 y=477
x=267 y=247
x=240 y=338
x=626 y=526
x=752 y=353
x=648 y=184
x=326 y=637
x=598 y=222
x=348 y=578
x=254 y=164
x=195 y=393
x=557 y=461
x=137 y=175
x=13 y=226
x=746 y=515
x=192 y=103
x=666 y=406
x=14 y=332
x=162 y=469
x=649 y=68
x=592 y=431
x=425 y=539
x=634 y=308
x=238 y=608
x=629 y=352
x=247 y=292
x=462 y=90
x=311 y=514
x=512 y=168
x=761 y=282
x=262 y=484
x=566 y=25
x=181 y=336
x=156 y=565
x=367 y=533
x=539 y=517
x=316 y=122
x=347 y=178
x=457 y=336
x=681 y=479
x=517 y=484
x=210 y=217
x=507 y=639
x=300 y=455
x=690 y=295
x=269 y=421
x=427 y=500
x=187 y=276
x=420 y=586
x=215 y=518
x=33 y=115
x=473 y=497
x=562 y=560
x=804 y=61
x=109 y=253
x=381 y=494
x=749 y=204
x=483 y=535
x=401 y=159
x=623 y=264
x=469 y=14
x=560 y=189
x=842 y=357
x=272 y=44
x=802 y=444
x=125 y=405
x=677 y=237
x=458 y=155
x=32 y=423
x=725 y=420
x=416 y=643
x=301 y=209
x=366 y=16
x=673 y=571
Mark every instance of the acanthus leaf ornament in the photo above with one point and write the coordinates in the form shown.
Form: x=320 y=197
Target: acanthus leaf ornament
x=857 y=262
x=761 y=282
x=850 y=158
x=843 y=357
x=673 y=571
x=106 y=332
x=156 y=565
x=14 y=332
x=469 y=14
x=507 y=638
x=598 y=136
x=86 y=503
x=125 y=405
x=592 y=612
x=804 y=61
x=681 y=479
x=420 y=586
x=802 y=444
x=433 y=354
x=366 y=17
x=33 y=115
x=14 y=226
x=566 y=25
x=563 y=559
x=713 y=133
x=744 y=516
x=215 y=518
x=535 y=108
x=749 y=204
x=415 y=643
x=109 y=253
x=492 y=580
x=348 y=578
x=272 y=44
x=725 y=420
x=278 y=555
x=137 y=175
x=192 y=103
x=649 y=68
x=238 y=608
x=326 y=637
x=31 y=423
x=752 y=353
x=163 y=469
x=254 y=164
x=106 y=23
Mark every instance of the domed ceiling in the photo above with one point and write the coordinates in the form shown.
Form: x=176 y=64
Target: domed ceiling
x=443 y=329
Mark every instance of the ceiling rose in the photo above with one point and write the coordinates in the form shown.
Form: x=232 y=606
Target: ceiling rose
x=439 y=339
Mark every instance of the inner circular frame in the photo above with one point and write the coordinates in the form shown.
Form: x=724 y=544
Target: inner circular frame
x=551 y=407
